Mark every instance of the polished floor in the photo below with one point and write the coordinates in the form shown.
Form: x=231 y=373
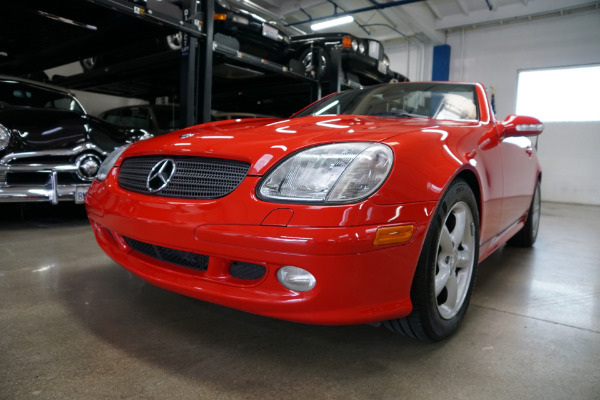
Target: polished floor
x=74 y=325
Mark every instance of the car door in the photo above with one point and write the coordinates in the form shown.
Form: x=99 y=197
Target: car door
x=520 y=176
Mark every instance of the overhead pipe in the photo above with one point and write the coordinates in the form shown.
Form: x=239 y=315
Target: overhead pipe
x=377 y=6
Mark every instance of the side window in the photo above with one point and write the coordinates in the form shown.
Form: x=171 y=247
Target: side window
x=113 y=117
x=135 y=118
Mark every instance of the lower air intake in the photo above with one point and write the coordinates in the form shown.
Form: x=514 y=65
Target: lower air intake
x=182 y=258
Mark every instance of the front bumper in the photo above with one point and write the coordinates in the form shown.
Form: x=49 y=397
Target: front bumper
x=52 y=191
x=49 y=175
x=357 y=282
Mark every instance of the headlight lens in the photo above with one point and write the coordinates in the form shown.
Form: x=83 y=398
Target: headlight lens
x=4 y=137
x=332 y=173
x=362 y=47
x=109 y=162
x=386 y=61
x=354 y=44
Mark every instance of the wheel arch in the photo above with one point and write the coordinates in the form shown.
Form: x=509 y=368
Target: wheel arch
x=470 y=177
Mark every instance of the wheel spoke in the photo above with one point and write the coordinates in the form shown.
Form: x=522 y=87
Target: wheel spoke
x=452 y=289
x=442 y=277
x=464 y=257
x=458 y=232
x=446 y=244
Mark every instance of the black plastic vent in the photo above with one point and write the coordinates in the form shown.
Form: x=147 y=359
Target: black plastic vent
x=186 y=259
x=194 y=177
x=247 y=271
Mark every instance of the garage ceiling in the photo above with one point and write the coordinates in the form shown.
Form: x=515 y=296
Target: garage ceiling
x=425 y=20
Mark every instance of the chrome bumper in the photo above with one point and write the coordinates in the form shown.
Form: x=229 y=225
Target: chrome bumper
x=47 y=189
x=51 y=192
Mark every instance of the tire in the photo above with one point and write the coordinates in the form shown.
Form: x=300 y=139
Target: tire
x=306 y=59
x=446 y=270
x=527 y=236
x=174 y=41
x=89 y=63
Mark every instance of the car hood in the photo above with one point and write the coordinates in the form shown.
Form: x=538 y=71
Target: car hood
x=263 y=142
x=39 y=129
x=36 y=129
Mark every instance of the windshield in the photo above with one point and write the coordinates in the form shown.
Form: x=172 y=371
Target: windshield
x=21 y=94
x=403 y=100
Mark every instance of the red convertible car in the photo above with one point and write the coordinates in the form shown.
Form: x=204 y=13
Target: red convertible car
x=369 y=205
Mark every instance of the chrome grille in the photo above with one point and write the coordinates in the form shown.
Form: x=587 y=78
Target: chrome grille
x=178 y=257
x=194 y=177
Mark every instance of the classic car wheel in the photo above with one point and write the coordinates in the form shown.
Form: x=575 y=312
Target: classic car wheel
x=528 y=234
x=174 y=41
x=89 y=63
x=306 y=59
x=446 y=271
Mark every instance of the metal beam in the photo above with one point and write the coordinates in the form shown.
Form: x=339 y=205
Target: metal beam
x=510 y=11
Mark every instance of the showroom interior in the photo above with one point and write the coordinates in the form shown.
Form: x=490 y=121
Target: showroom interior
x=75 y=324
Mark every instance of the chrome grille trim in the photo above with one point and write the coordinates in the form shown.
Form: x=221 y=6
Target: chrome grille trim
x=195 y=177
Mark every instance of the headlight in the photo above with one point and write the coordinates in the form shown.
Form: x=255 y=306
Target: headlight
x=4 y=137
x=109 y=162
x=332 y=173
x=354 y=44
x=386 y=61
x=362 y=47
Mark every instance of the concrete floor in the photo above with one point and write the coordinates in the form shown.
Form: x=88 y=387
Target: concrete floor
x=74 y=325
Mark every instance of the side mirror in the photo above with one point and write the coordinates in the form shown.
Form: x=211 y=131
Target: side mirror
x=518 y=125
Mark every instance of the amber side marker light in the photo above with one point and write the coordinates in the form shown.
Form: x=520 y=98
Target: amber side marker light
x=347 y=42
x=393 y=235
x=220 y=17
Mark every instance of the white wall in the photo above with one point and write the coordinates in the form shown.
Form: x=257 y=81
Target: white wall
x=93 y=103
x=410 y=58
x=494 y=54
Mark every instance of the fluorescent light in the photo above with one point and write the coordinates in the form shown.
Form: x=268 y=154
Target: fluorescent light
x=332 y=22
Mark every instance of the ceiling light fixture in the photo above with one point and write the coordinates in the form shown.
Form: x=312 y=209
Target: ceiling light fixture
x=332 y=22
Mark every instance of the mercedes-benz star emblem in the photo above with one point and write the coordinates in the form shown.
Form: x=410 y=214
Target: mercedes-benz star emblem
x=160 y=175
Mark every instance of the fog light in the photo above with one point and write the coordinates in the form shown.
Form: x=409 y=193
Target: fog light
x=296 y=279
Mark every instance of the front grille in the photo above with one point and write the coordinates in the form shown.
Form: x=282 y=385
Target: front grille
x=194 y=177
x=178 y=257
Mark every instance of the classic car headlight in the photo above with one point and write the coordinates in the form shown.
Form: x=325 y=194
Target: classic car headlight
x=386 y=61
x=354 y=44
x=332 y=173
x=362 y=47
x=109 y=162
x=4 y=137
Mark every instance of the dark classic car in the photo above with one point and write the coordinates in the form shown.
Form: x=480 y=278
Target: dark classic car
x=363 y=58
x=257 y=33
x=50 y=150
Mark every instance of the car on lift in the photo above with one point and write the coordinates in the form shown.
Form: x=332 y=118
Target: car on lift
x=370 y=205
x=50 y=149
x=242 y=25
x=361 y=59
x=257 y=32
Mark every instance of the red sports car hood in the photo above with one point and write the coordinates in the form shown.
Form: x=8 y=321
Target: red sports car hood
x=263 y=142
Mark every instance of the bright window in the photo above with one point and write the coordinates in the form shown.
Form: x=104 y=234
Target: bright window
x=559 y=95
